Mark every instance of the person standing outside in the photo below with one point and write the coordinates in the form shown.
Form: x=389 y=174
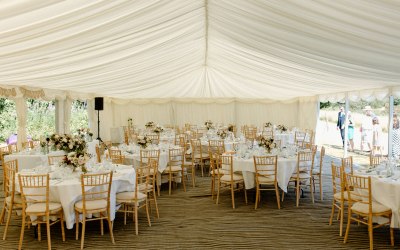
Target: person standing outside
x=396 y=137
x=376 y=136
x=366 y=129
x=341 y=123
x=350 y=132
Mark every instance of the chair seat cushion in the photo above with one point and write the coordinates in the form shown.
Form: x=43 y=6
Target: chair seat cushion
x=17 y=199
x=41 y=207
x=227 y=177
x=142 y=187
x=302 y=175
x=130 y=196
x=203 y=156
x=173 y=169
x=316 y=171
x=266 y=179
x=92 y=205
x=364 y=208
x=345 y=196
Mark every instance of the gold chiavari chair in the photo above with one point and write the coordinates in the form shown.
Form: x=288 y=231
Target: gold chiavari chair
x=375 y=159
x=55 y=159
x=27 y=145
x=149 y=188
x=95 y=199
x=198 y=156
x=317 y=172
x=132 y=201
x=12 y=148
x=3 y=151
x=116 y=156
x=250 y=134
x=347 y=163
x=12 y=200
x=339 y=195
x=36 y=202
x=155 y=138
x=266 y=173
x=362 y=208
x=175 y=169
x=229 y=178
x=146 y=155
x=303 y=176
x=215 y=171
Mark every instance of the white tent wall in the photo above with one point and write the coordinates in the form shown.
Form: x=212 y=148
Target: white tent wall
x=301 y=113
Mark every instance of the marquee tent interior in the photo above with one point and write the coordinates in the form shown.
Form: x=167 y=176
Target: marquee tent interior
x=188 y=61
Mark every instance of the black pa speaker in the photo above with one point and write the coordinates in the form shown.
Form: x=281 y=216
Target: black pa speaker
x=98 y=103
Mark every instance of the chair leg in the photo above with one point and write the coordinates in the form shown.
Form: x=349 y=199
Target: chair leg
x=147 y=213
x=101 y=226
x=155 y=202
x=391 y=236
x=348 y=226
x=170 y=182
x=83 y=230
x=21 y=237
x=283 y=195
x=76 y=225
x=312 y=189
x=233 y=195
x=48 y=232
x=245 y=193
x=297 y=193
x=332 y=213
x=9 y=213
x=110 y=226
x=183 y=180
x=3 y=212
x=277 y=196
x=39 y=232
x=219 y=187
x=62 y=225
x=193 y=176
x=341 y=211
x=136 y=219
x=257 y=195
x=125 y=212
x=321 y=196
x=370 y=233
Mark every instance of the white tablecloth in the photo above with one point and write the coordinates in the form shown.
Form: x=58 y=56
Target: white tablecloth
x=31 y=159
x=68 y=192
x=286 y=138
x=286 y=167
x=387 y=192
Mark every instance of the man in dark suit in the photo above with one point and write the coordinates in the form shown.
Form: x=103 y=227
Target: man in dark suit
x=341 y=123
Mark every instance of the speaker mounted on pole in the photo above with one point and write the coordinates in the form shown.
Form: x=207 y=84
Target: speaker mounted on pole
x=98 y=105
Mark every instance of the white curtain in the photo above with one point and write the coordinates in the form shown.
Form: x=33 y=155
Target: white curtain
x=67 y=115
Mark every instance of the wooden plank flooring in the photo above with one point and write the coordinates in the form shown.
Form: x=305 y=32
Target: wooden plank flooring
x=192 y=220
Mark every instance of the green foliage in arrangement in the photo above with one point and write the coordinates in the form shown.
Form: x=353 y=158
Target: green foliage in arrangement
x=40 y=118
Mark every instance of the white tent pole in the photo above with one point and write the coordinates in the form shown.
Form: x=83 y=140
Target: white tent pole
x=390 y=129
x=206 y=32
x=346 y=136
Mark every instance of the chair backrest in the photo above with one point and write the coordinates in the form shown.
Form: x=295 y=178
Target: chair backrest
x=149 y=154
x=3 y=151
x=10 y=168
x=359 y=190
x=250 y=133
x=155 y=138
x=34 y=189
x=96 y=187
x=116 y=156
x=337 y=179
x=176 y=157
x=226 y=165
x=197 y=149
x=27 y=145
x=266 y=168
x=216 y=147
x=375 y=159
x=268 y=133
x=299 y=138
x=55 y=159
x=305 y=161
x=12 y=148
x=347 y=164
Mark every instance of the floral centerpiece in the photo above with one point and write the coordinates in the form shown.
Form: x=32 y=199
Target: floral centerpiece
x=158 y=129
x=143 y=141
x=150 y=125
x=282 y=128
x=267 y=143
x=44 y=145
x=67 y=143
x=85 y=133
x=222 y=134
x=76 y=160
x=209 y=124
x=268 y=125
